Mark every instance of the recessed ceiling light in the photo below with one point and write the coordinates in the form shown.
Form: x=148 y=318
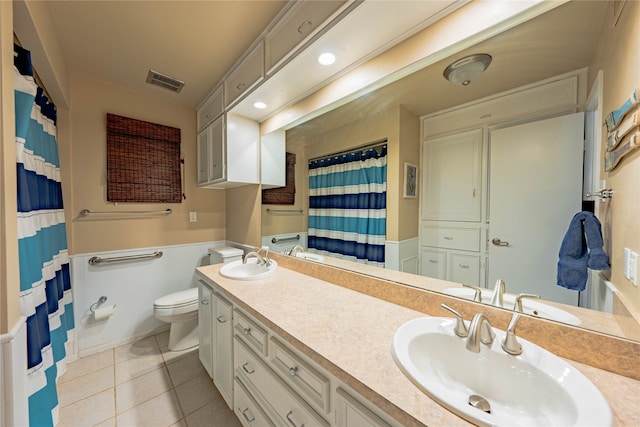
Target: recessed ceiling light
x=260 y=105
x=326 y=58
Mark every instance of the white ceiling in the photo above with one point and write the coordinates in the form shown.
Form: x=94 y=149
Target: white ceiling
x=194 y=41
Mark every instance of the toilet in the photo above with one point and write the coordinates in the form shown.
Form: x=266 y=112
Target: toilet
x=180 y=309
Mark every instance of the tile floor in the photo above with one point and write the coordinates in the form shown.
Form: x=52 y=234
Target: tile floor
x=141 y=384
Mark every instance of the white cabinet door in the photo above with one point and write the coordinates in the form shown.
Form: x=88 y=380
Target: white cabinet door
x=223 y=361
x=464 y=268
x=246 y=75
x=530 y=210
x=433 y=263
x=211 y=109
x=204 y=145
x=351 y=412
x=217 y=151
x=452 y=177
x=205 y=338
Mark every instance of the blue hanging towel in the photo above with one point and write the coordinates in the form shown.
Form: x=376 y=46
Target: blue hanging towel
x=581 y=249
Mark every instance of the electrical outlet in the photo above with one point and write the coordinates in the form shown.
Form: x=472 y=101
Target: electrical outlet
x=193 y=217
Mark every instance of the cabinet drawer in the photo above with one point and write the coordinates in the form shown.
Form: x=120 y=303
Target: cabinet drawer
x=250 y=332
x=302 y=21
x=289 y=407
x=307 y=381
x=247 y=410
x=465 y=269
x=211 y=109
x=467 y=239
x=246 y=75
x=433 y=263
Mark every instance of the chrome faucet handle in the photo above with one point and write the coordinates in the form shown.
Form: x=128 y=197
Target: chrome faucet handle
x=480 y=331
x=517 y=305
x=510 y=343
x=497 y=299
x=461 y=327
x=477 y=296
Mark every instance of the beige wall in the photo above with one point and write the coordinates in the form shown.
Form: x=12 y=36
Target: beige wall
x=402 y=131
x=9 y=272
x=85 y=176
x=618 y=56
x=243 y=215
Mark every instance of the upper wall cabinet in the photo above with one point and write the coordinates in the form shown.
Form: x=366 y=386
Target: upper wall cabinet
x=298 y=25
x=246 y=75
x=229 y=152
x=211 y=109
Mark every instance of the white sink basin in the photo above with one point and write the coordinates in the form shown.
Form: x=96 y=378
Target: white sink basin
x=249 y=271
x=531 y=307
x=536 y=388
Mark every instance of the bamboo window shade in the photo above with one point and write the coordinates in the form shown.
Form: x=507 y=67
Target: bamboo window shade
x=285 y=195
x=143 y=162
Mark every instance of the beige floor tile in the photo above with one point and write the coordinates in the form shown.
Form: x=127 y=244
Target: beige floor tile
x=87 y=385
x=141 y=389
x=135 y=349
x=168 y=355
x=88 y=412
x=215 y=414
x=136 y=366
x=196 y=393
x=184 y=369
x=87 y=364
x=181 y=423
x=161 y=411
x=111 y=422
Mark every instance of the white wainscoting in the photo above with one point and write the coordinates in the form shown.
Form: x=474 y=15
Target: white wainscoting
x=132 y=287
x=402 y=256
x=602 y=291
x=14 y=410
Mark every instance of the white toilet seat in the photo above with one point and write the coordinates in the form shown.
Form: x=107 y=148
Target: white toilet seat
x=178 y=299
x=180 y=309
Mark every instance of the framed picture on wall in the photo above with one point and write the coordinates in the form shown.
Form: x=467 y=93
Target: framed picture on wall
x=410 y=180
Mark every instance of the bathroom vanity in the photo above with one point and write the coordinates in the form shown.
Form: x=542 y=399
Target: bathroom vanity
x=306 y=351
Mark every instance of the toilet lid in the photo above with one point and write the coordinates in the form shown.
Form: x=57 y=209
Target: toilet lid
x=188 y=296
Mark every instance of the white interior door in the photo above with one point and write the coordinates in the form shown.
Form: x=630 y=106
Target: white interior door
x=535 y=188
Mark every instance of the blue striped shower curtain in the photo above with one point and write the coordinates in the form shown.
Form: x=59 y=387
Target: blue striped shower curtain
x=45 y=285
x=348 y=206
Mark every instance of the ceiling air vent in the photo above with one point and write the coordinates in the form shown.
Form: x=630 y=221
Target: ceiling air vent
x=167 y=82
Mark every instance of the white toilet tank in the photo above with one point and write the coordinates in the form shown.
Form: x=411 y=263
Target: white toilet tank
x=224 y=254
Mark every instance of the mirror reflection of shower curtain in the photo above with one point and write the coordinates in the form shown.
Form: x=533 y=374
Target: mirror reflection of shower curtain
x=45 y=285
x=348 y=205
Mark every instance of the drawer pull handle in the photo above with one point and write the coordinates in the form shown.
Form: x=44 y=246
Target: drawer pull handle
x=247 y=331
x=291 y=421
x=302 y=26
x=433 y=261
x=464 y=265
x=240 y=86
x=448 y=238
x=247 y=369
x=205 y=302
x=293 y=371
x=221 y=319
x=244 y=414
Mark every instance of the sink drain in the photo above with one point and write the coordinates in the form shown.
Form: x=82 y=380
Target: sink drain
x=480 y=402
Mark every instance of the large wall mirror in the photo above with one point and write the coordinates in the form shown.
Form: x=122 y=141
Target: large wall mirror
x=558 y=42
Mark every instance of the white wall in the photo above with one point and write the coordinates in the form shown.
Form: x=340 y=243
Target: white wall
x=132 y=287
x=14 y=410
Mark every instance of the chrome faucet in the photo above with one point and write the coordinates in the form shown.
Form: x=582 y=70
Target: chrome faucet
x=479 y=332
x=518 y=302
x=510 y=344
x=296 y=249
x=497 y=297
x=262 y=260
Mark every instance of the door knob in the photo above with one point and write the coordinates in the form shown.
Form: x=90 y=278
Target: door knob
x=499 y=242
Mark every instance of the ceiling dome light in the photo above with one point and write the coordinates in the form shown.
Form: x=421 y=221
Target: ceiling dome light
x=464 y=70
x=260 y=105
x=326 y=58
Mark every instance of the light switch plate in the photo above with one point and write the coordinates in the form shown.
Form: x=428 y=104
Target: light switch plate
x=193 y=216
x=633 y=268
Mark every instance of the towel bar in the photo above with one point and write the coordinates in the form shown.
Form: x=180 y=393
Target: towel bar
x=95 y=260
x=285 y=239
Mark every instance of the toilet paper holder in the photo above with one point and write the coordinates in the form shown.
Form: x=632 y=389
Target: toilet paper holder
x=100 y=301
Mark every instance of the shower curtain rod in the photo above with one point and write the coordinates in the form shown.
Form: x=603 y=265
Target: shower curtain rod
x=375 y=144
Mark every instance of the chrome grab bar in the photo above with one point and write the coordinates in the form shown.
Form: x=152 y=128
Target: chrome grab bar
x=285 y=239
x=96 y=260
x=269 y=210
